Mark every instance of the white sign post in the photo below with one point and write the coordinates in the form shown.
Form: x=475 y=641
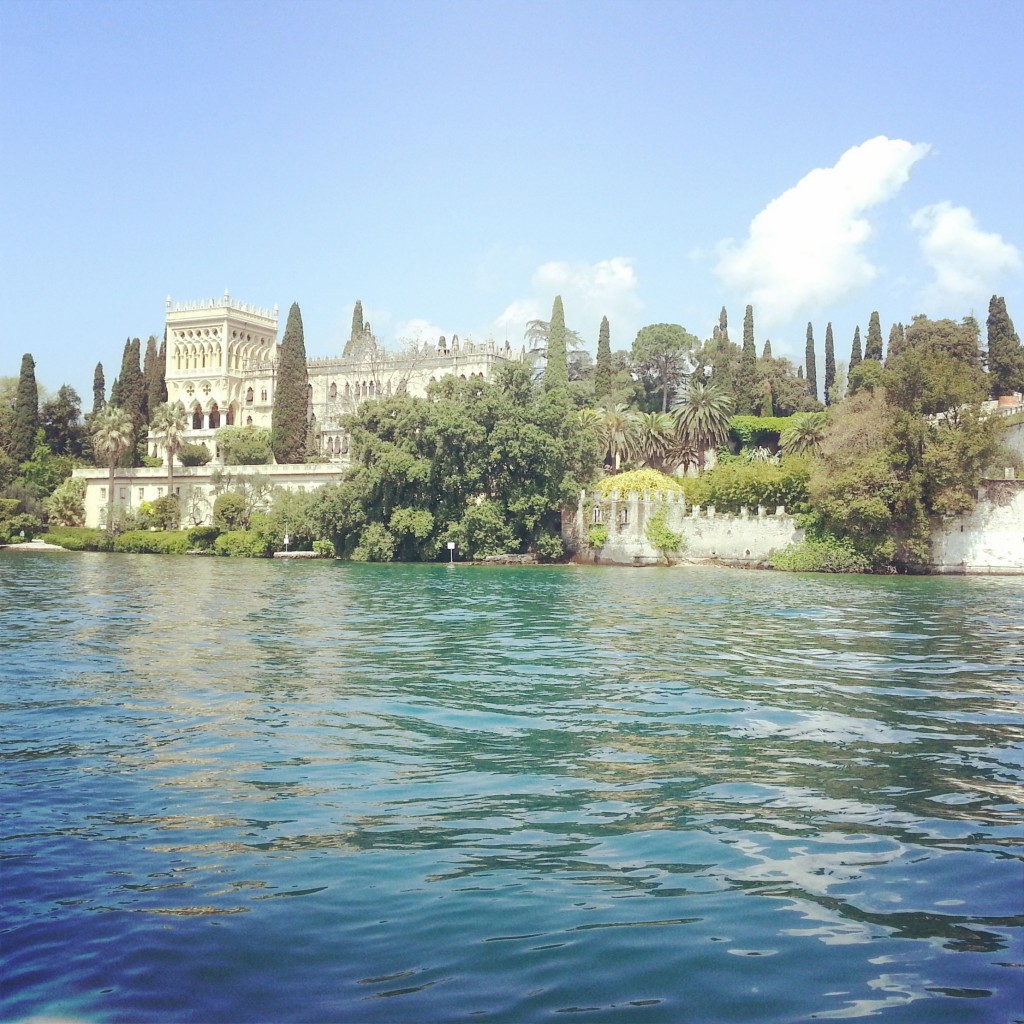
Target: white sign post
x=451 y=552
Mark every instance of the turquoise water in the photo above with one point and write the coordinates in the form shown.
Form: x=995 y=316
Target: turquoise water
x=254 y=791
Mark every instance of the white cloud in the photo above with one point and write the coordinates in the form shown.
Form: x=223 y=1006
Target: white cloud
x=806 y=249
x=589 y=291
x=420 y=331
x=968 y=262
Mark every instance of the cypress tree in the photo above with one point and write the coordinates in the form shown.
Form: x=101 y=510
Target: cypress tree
x=799 y=373
x=556 y=374
x=766 y=352
x=25 y=422
x=723 y=325
x=855 y=354
x=897 y=342
x=357 y=321
x=748 y=397
x=159 y=390
x=99 y=389
x=149 y=361
x=873 y=342
x=603 y=370
x=830 y=363
x=812 y=366
x=1005 y=354
x=288 y=417
x=130 y=386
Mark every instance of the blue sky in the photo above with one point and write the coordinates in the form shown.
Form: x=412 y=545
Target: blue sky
x=455 y=165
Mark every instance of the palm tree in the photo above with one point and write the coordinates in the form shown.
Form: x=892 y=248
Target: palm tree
x=170 y=421
x=805 y=433
x=702 y=416
x=654 y=435
x=621 y=433
x=113 y=433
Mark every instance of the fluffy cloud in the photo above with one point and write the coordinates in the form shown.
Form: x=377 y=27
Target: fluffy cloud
x=968 y=262
x=806 y=249
x=589 y=291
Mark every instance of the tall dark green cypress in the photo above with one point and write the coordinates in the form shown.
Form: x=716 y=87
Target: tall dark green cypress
x=873 y=342
x=25 y=422
x=1005 y=355
x=148 y=362
x=159 y=389
x=556 y=373
x=830 y=363
x=99 y=389
x=897 y=342
x=766 y=352
x=855 y=353
x=748 y=397
x=603 y=374
x=130 y=387
x=811 y=363
x=723 y=325
x=288 y=416
x=357 y=321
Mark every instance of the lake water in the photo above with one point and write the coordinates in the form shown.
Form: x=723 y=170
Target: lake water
x=262 y=791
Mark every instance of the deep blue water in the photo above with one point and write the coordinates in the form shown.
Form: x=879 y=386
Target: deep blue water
x=254 y=791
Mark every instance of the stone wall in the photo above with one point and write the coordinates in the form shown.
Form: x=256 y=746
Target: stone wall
x=990 y=540
x=747 y=538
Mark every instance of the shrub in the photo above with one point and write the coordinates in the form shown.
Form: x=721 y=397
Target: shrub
x=324 y=548
x=165 y=512
x=638 y=480
x=667 y=541
x=194 y=455
x=245 y=446
x=597 y=534
x=66 y=506
x=150 y=461
x=376 y=544
x=8 y=507
x=549 y=546
x=147 y=542
x=230 y=512
x=757 y=431
x=241 y=544
x=202 y=538
x=824 y=554
x=80 y=538
x=21 y=524
x=735 y=484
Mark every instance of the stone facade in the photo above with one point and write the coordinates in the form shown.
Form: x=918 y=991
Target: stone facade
x=746 y=539
x=222 y=363
x=990 y=539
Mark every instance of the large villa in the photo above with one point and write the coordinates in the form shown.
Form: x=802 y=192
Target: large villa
x=222 y=358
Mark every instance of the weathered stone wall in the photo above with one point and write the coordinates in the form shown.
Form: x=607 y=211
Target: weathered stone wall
x=988 y=540
x=747 y=538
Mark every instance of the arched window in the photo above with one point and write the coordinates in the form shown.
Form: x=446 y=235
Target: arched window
x=214 y=417
x=229 y=419
x=348 y=390
x=197 y=419
x=334 y=390
x=263 y=395
x=248 y=421
x=249 y=396
x=371 y=388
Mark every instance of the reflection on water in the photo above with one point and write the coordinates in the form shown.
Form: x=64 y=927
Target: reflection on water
x=259 y=791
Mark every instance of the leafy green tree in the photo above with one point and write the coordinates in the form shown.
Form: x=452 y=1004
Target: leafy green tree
x=556 y=371
x=112 y=435
x=170 y=422
x=781 y=382
x=66 y=505
x=960 y=341
x=603 y=373
x=811 y=364
x=99 y=389
x=245 y=446
x=60 y=418
x=830 y=364
x=25 y=421
x=289 y=414
x=194 y=455
x=702 y=417
x=873 y=342
x=855 y=352
x=662 y=353
x=1005 y=354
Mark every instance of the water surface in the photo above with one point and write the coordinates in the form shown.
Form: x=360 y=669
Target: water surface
x=254 y=791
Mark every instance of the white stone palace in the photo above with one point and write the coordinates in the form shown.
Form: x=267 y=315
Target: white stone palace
x=222 y=358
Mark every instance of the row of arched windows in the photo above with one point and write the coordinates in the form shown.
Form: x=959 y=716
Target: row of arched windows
x=337 y=445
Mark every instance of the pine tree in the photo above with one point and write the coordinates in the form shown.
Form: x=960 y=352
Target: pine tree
x=873 y=342
x=603 y=373
x=830 y=363
x=556 y=373
x=99 y=389
x=811 y=364
x=1005 y=354
x=25 y=422
x=288 y=417
x=855 y=354
x=766 y=352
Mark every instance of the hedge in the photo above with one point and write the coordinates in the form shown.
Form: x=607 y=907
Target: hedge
x=150 y=542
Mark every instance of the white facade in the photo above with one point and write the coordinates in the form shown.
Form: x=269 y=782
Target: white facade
x=988 y=540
